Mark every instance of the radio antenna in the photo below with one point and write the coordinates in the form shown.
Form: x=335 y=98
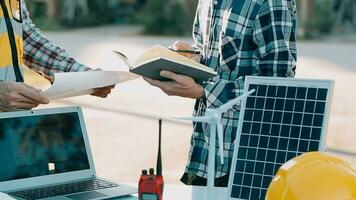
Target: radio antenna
x=159 y=158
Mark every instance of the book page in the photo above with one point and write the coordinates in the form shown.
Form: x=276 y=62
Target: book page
x=123 y=57
x=72 y=84
x=161 y=51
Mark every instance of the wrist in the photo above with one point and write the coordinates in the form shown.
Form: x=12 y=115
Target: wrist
x=77 y=67
x=200 y=92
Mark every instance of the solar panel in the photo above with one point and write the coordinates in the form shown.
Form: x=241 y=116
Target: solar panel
x=284 y=118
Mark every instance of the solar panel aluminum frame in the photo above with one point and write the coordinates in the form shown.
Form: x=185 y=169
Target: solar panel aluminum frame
x=295 y=82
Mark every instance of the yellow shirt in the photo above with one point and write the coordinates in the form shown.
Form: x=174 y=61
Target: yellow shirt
x=11 y=42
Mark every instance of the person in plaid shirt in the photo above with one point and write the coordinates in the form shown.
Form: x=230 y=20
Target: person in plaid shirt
x=237 y=38
x=39 y=54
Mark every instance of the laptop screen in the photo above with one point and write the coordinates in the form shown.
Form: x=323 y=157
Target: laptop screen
x=40 y=145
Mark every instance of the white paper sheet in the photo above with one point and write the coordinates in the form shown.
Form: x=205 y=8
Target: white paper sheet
x=72 y=84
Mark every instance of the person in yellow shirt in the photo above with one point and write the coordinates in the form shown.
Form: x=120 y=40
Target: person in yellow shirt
x=22 y=43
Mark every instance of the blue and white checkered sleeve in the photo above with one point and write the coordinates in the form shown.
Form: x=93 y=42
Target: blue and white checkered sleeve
x=41 y=55
x=275 y=36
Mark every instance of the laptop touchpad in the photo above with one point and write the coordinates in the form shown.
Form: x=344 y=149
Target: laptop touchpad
x=86 y=196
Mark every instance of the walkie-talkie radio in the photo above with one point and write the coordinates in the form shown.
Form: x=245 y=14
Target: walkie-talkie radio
x=151 y=186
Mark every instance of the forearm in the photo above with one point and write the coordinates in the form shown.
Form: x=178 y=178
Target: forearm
x=41 y=55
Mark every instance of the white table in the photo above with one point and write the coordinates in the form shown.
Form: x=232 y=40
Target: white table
x=171 y=192
x=179 y=192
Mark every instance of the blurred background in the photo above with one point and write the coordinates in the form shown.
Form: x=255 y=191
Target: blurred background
x=123 y=128
x=174 y=17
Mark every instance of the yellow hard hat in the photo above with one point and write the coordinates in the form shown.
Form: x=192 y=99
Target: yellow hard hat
x=314 y=176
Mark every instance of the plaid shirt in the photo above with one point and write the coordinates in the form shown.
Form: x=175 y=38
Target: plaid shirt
x=42 y=55
x=242 y=37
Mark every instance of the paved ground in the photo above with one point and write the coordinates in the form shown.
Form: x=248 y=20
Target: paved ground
x=123 y=128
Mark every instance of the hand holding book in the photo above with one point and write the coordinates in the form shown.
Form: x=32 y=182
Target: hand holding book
x=177 y=72
x=180 y=85
x=158 y=58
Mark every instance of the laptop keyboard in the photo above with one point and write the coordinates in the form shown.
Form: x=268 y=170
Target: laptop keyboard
x=64 y=189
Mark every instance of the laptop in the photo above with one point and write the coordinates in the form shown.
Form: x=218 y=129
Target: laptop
x=45 y=154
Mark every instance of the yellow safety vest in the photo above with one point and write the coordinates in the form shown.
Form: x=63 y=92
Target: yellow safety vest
x=11 y=41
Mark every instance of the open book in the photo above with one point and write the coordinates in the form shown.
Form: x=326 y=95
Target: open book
x=158 y=58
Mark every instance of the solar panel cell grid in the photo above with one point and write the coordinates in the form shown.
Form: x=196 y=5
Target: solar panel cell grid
x=279 y=123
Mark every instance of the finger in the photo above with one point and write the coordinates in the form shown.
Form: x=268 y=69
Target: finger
x=175 y=45
x=187 y=55
x=6 y=109
x=100 y=95
x=108 y=87
x=147 y=79
x=172 y=76
x=151 y=81
x=19 y=102
x=23 y=106
x=31 y=94
x=102 y=92
x=155 y=83
x=31 y=88
x=16 y=97
x=102 y=89
x=24 y=99
x=180 y=45
x=163 y=85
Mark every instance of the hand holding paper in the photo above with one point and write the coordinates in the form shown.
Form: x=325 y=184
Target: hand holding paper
x=103 y=92
x=72 y=84
x=19 y=96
